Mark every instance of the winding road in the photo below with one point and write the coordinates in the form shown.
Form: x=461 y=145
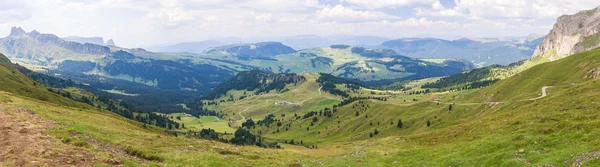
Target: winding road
x=543 y=93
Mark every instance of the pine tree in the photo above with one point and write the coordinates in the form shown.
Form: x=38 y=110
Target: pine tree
x=399 y=123
x=428 y=123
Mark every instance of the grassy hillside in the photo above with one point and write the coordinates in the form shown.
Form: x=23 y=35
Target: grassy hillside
x=15 y=82
x=568 y=72
x=497 y=125
x=97 y=137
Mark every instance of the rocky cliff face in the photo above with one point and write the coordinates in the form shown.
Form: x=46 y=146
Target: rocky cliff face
x=44 y=49
x=571 y=34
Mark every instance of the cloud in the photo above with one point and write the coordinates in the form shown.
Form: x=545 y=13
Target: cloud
x=135 y=23
x=437 y=9
x=278 y=5
x=13 y=11
x=262 y=17
x=523 y=9
x=377 y=4
x=171 y=16
x=340 y=13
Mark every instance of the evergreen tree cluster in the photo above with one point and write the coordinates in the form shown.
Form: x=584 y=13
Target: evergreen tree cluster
x=329 y=81
x=260 y=81
x=244 y=137
x=196 y=108
x=268 y=120
x=476 y=78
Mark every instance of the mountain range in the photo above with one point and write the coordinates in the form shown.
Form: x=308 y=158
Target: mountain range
x=136 y=75
x=92 y=40
x=297 y=42
x=480 y=51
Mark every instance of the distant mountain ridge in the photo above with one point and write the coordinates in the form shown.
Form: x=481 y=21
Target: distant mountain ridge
x=298 y=42
x=92 y=40
x=192 y=47
x=571 y=34
x=255 y=50
x=313 y=41
x=46 y=49
x=480 y=51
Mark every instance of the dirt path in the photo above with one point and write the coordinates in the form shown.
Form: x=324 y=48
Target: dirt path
x=320 y=90
x=543 y=93
x=302 y=102
x=240 y=113
x=470 y=104
x=24 y=141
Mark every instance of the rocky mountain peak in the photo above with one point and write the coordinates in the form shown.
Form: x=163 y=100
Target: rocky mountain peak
x=34 y=33
x=110 y=42
x=571 y=34
x=17 y=31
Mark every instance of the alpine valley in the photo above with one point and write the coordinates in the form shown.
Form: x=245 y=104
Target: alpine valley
x=304 y=100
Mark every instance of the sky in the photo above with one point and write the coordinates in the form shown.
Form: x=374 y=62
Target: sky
x=138 y=23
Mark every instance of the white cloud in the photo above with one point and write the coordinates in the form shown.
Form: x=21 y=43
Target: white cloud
x=523 y=9
x=437 y=9
x=278 y=5
x=171 y=16
x=262 y=17
x=506 y=9
x=340 y=13
x=13 y=11
x=376 y=4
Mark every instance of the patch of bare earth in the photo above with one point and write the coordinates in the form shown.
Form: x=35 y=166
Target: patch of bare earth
x=24 y=141
x=115 y=151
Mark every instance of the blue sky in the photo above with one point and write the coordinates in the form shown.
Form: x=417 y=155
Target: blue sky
x=135 y=23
